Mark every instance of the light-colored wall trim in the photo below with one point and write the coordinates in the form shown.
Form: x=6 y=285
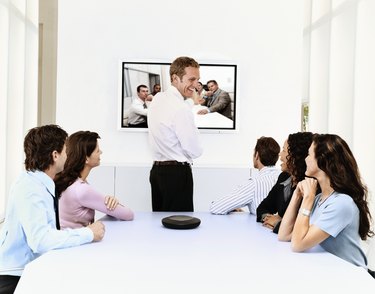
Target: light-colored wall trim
x=48 y=13
x=130 y=184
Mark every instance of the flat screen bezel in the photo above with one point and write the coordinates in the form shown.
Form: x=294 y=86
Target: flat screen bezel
x=127 y=89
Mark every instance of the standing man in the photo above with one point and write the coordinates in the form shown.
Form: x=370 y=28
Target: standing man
x=251 y=192
x=31 y=225
x=217 y=100
x=138 y=109
x=174 y=139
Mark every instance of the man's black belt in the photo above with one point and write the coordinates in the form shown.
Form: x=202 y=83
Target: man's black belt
x=171 y=162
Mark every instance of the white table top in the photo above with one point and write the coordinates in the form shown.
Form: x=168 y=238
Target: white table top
x=225 y=253
x=210 y=120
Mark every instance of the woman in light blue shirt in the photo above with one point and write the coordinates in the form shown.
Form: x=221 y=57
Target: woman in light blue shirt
x=338 y=217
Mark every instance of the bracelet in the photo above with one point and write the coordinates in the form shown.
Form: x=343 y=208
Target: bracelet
x=304 y=211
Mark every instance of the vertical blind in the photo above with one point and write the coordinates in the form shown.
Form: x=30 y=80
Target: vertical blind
x=339 y=79
x=18 y=86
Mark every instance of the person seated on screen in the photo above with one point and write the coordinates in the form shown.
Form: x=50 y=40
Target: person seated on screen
x=199 y=95
x=271 y=210
x=138 y=109
x=78 y=199
x=148 y=100
x=31 y=226
x=338 y=217
x=217 y=100
x=156 y=89
x=201 y=92
x=251 y=192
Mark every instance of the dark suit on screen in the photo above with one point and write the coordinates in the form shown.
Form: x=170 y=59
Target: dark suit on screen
x=220 y=102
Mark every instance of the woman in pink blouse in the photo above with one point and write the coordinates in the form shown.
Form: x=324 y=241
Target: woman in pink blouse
x=78 y=200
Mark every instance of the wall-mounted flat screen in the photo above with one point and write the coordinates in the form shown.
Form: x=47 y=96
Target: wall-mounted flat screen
x=140 y=81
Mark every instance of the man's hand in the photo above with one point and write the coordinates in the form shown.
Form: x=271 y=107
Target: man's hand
x=271 y=220
x=203 y=111
x=238 y=210
x=98 y=229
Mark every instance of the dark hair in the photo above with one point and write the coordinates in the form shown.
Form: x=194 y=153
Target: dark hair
x=39 y=144
x=141 y=86
x=268 y=150
x=298 y=149
x=179 y=64
x=79 y=146
x=212 y=81
x=335 y=158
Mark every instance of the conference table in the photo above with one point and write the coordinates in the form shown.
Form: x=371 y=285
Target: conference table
x=211 y=120
x=227 y=253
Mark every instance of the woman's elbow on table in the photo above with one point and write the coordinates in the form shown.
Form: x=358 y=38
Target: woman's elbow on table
x=297 y=246
x=283 y=238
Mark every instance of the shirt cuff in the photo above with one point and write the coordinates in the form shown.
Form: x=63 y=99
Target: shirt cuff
x=87 y=235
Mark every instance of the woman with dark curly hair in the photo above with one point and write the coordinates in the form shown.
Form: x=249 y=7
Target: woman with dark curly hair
x=293 y=166
x=338 y=217
x=79 y=199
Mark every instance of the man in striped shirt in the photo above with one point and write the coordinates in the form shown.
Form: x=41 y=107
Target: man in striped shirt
x=254 y=190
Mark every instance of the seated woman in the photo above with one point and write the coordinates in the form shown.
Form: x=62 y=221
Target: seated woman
x=78 y=200
x=271 y=210
x=338 y=217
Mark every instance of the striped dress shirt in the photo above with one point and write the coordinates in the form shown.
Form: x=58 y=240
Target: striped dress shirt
x=249 y=193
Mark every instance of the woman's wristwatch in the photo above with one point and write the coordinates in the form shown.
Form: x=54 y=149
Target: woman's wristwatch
x=304 y=211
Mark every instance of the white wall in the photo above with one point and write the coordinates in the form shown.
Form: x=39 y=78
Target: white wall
x=263 y=37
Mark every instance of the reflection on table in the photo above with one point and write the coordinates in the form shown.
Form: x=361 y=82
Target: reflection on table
x=227 y=253
x=211 y=120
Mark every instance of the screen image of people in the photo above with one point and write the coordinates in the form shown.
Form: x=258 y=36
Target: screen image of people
x=215 y=93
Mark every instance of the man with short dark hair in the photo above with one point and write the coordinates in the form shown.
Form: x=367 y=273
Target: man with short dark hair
x=138 y=110
x=174 y=139
x=156 y=89
x=31 y=225
x=254 y=190
x=217 y=100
